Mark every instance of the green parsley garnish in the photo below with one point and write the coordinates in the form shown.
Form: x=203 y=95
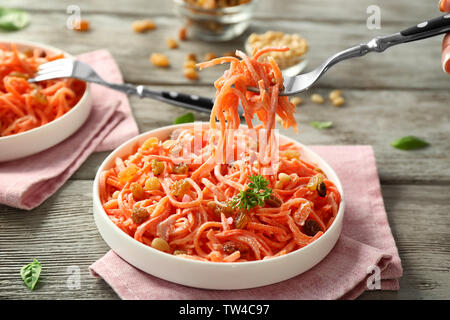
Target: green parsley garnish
x=255 y=195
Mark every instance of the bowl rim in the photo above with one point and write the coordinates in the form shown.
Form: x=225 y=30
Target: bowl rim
x=226 y=10
x=126 y=237
x=84 y=97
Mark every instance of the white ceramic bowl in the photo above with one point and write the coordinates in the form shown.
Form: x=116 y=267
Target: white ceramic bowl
x=213 y=275
x=38 y=139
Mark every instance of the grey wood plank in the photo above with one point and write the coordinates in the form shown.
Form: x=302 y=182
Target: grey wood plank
x=414 y=65
x=61 y=233
x=420 y=226
x=368 y=117
x=399 y=10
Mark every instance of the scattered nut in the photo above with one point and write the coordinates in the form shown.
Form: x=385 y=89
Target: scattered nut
x=191 y=73
x=337 y=102
x=189 y=64
x=191 y=57
x=334 y=94
x=171 y=43
x=296 y=101
x=317 y=98
x=141 y=26
x=160 y=60
x=182 y=34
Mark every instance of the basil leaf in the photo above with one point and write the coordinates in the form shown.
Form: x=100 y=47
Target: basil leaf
x=13 y=19
x=322 y=124
x=409 y=143
x=30 y=273
x=185 y=118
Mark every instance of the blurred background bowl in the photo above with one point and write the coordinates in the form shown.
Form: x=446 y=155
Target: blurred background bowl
x=220 y=24
x=30 y=142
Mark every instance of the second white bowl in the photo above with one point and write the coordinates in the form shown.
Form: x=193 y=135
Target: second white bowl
x=213 y=275
x=39 y=139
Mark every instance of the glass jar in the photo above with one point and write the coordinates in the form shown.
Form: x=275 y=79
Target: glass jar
x=220 y=24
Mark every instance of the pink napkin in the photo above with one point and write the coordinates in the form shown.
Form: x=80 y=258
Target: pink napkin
x=365 y=256
x=26 y=184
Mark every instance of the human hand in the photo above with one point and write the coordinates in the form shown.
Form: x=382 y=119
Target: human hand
x=444 y=6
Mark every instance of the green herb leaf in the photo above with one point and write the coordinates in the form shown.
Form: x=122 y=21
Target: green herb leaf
x=185 y=118
x=30 y=273
x=322 y=124
x=255 y=195
x=409 y=143
x=13 y=19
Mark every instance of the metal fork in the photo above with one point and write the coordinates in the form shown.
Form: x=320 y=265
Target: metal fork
x=423 y=30
x=68 y=68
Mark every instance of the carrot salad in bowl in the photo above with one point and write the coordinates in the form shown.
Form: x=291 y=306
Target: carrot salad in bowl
x=224 y=192
x=25 y=106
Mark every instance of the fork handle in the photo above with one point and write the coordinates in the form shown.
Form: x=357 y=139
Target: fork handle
x=428 y=28
x=190 y=101
x=193 y=102
x=423 y=30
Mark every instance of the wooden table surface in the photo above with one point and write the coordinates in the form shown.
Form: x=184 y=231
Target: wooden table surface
x=398 y=93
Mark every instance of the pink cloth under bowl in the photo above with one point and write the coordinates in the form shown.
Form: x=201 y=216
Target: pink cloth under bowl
x=365 y=251
x=25 y=184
